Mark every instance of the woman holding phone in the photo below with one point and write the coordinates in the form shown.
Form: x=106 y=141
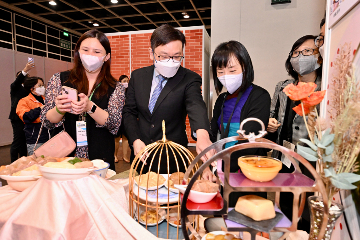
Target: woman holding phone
x=98 y=109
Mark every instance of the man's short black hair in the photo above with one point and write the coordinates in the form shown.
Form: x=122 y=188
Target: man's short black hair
x=165 y=34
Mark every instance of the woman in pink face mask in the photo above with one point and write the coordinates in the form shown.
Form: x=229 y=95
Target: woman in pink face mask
x=98 y=108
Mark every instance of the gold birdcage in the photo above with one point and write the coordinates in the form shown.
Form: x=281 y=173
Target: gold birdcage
x=152 y=197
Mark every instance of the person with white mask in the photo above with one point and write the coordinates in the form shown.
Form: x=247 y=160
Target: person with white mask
x=124 y=80
x=28 y=110
x=165 y=91
x=232 y=68
x=285 y=126
x=319 y=41
x=98 y=108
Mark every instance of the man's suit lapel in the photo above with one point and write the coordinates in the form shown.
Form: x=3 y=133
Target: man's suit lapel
x=148 y=77
x=171 y=83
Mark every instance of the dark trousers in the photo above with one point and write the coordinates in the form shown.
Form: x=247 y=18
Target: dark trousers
x=18 y=146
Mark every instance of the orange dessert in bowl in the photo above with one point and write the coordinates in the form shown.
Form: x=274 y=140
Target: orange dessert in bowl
x=259 y=168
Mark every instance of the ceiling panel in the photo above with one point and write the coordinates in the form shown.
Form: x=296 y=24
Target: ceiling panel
x=124 y=13
x=60 y=6
x=33 y=8
x=150 y=8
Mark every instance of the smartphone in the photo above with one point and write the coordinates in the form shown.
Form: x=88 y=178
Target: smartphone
x=71 y=92
x=30 y=59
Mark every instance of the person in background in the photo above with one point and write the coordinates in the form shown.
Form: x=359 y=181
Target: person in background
x=232 y=68
x=166 y=91
x=319 y=41
x=285 y=126
x=28 y=110
x=124 y=80
x=17 y=91
x=101 y=99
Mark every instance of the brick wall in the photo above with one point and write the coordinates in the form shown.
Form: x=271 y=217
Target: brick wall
x=120 y=55
x=140 y=43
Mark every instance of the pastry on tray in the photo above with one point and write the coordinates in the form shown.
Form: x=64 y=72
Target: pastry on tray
x=205 y=186
x=153 y=178
x=151 y=217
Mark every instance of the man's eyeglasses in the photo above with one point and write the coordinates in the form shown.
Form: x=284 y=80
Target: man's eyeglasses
x=305 y=52
x=319 y=41
x=175 y=59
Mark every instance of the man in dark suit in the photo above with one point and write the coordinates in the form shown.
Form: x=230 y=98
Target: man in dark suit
x=17 y=91
x=165 y=91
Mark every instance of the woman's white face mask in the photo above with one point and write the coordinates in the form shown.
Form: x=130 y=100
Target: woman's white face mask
x=231 y=82
x=91 y=63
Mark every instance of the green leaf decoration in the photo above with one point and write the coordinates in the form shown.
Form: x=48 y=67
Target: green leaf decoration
x=329 y=149
x=326 y=140
x=307 y=153
x=350 y=177
x=342 y=184
x=309 y=143
x=316 y=140
x=329 y=172
x=327 y=158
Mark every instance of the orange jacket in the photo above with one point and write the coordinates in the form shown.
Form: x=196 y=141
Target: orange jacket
x=26 y=104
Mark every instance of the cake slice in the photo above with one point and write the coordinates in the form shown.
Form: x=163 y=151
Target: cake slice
x=255 y=207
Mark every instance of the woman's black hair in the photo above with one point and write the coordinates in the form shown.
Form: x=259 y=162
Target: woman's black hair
x=122 y=77
x=295 y=46
x=221 y=57
x=30 y=82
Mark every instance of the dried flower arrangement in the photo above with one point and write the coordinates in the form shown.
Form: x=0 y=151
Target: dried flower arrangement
x=336 y=149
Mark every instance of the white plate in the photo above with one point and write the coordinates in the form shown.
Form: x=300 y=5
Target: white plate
x=174 y=190
x=110 y=173
x=163 y=194
x=63 y=174
x=19 y=178
x=216 y=233
x=195 y=196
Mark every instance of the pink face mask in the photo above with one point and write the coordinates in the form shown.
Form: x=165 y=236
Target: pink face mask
x=91 y=63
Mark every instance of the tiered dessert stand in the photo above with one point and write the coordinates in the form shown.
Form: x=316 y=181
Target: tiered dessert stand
x=295 y=182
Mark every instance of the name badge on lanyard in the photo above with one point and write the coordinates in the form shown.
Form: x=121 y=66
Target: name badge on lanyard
x=81 y=137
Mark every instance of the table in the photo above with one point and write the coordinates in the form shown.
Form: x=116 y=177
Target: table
x=86 y=208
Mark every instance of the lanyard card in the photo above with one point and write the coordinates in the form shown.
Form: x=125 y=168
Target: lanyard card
x=81 y=138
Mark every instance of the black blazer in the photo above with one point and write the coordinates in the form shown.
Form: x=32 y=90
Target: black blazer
x=17 y=92
x=181 y=96
x=257 y=105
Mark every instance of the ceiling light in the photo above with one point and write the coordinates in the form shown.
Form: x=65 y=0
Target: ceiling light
x=89 y=21
x=186 y=16
x=114 y=1
x=95 y=24
x=53 y=3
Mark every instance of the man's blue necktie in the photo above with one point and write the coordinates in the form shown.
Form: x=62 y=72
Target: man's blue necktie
x=156 y=93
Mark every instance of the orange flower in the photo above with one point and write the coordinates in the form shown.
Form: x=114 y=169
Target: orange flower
x=298 y=109
x=300 y=91
x=315 y=98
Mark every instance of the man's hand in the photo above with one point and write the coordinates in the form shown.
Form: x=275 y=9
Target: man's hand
x=203 y=141
x=29 y=66
x=273 y=125
x=138 y=146
x=208 y=175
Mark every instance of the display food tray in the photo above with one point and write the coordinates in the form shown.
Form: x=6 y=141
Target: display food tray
x=164 y=196
x=233 y=226
x=281 y=180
